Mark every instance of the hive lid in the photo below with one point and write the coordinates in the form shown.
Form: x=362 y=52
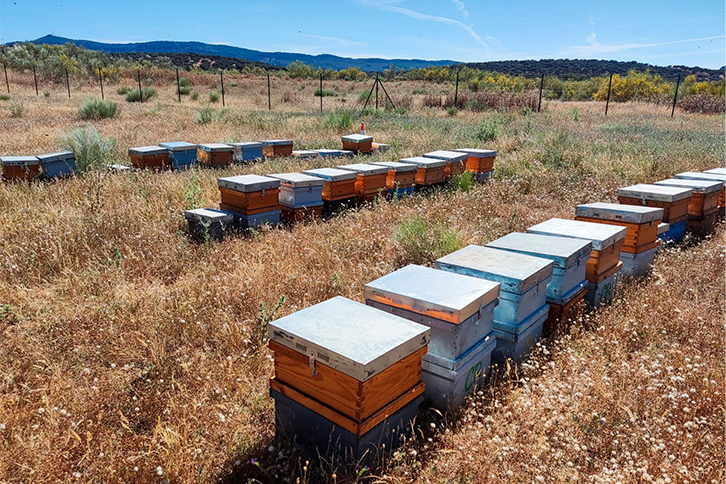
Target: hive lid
x=517 y=273
x=178 y=146
x=693 y=175
x=663 y=227
x=619 y=212
x=716 y=171
x=331 y=174
x=396 y=166
x=326 y=152
x=659 y=193
x=57 y=156
x=698 y=185
x=424 y=162
x=365 y=169
x=247 y=145
x=347 y=153
x=19 y=160
x=216 y=147
x=297 y=180
x=147 y=150
x=438 y=294
x=355 y=339
x=357 y=138
x=305 y=154
x=477 y=153
x=447 y=155
x=208 y=215
x=602 y=236
x=562 y=251
x=277 y=142
x=248 y=183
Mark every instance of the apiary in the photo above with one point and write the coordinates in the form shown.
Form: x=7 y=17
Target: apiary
x=149 y=157
x=301 y=196
x=708 y=177
x=215 y=154
x=704 y=201
x=55 y=165
x=641 y=223
x=20 y=167
x=277 y=148
x=429 y=171
x=353 y=365
x=249 y=194
x=208 y=223
x=516 y=342
x=182 y=155
x=716 y=171
x=370 y=180
x=380 y=147
x=305 y=154
x=673 y=200
x=357 y=143
x=455 y=161
x=400 y=177
x=339 y=184
x=479 y=162
x=330 y=153
x=247 y=151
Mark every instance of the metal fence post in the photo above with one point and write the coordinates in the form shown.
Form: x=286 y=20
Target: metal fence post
x=35 y=78
x=376 y=91
x=678 y=83
x=269 y=100
x=68 y=84
x=100 y=80
x=607 y=102
x=456 y=91
x=321 y=92
x=541 y=86
x=141 y=93
x=221 y=78
x=7 y=83
x=178 y=87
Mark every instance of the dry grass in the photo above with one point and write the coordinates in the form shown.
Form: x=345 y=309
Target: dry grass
x=127 y=350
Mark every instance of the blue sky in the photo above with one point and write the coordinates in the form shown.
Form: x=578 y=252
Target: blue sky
x=667 y=32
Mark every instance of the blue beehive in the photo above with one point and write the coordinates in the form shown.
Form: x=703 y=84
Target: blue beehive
x=62 y=163
x=329 y=153
x=182 y=155
x=256 y=220
x=300 y=191
x=247 y=151
x=675 y=232
x=514 y=344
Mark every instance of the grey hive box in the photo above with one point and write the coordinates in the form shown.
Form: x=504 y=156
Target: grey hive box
x=520 y=340
x=305 y=154
x=695 y=175
x=248 y=183
x=523 y=279
x=298 y=190
x=424 y=162
x=700 y=185
x=365 y=169
x=447 y=155
x=602 y=292
x=396 y=166
x=209 y=223
x=636 y=214
x=568 y=255
x=147 y=150
x=602 y=236
x=357 y=138
x=637 y=265
x=62 y=163
x=331 y=174
x=277 y=142
x=658 y=193
x=247 y=151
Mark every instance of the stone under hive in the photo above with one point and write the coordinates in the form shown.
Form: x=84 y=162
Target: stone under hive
x=247 y=151
x=254 y=199
x=707 y=176
x=673 y=200
x=215 y=154
x=569 y=256
x=20 y=167
x=347 y=377
x=455 y=161
x=704 y=207
x=401 y=177
x=209 y=224
x=459 y=310
x=149 y=157
x=60 y=164
x=479 y=162
x=277 y=148
x=357 y=143
x=519 y=318
x=370 y=180
x=301 y=196
x=182 y=155
x=429 y=171
x=339 y=188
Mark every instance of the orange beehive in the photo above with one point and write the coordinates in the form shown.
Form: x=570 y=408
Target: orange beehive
x=673 y=200
x=641 y=223
x=400 y=175
x=455 y=161
x=358 y=143
x=704 y=201
x=303 y=214
x=215 y=154
x=370 y=180
x=714 y=175
x=339 y=184
x=249 y=194
x=277 y=148
x=430 y=171
x=149 y=157
x=20 y=167
x=479 y=161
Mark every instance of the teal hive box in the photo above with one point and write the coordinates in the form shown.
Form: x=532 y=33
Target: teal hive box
x=516 y=342
x=247 y=151
x=182 y=155
x=62 y=163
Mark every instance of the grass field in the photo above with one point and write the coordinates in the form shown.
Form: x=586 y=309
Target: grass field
x=130 y=354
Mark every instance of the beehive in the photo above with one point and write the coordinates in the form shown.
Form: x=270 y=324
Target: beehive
x=603 y=291
x=357 y=143
x=400 y=177
x=479 y=161
x=215 y=154
x=339 y=184
x=55 y=165
x=380 y=147
x=716 y=171
x=301 y=196
x=329 y=153
x=560 y=316
x=458 y=309
x=673 y=200
x=149 y=157
x=208 y=223
x=370 y=180
x=350 y=363
x=638 y=264
x=455 y=161
x=429 y=171
x=277 y=148
x=249 y=194
x=182 y=155
x=20 y=167
x=305 y=154
x=704 y=200
x=516 y=344
x=640 y=222
x=689 y=175
x=247 y=151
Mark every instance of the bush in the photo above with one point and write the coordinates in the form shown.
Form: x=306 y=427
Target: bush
x=95 y=108
x=432 y=101
x=423 y=243
x=363 y=96
x=204 y=116
x=703 y=103
x=452 y=111
x=213 y=96
x=488 y=129
x=462 y=182
x=184 y=90
x=324 y=93
x=183 y=82
x=475 y=106
x=122 y=90
x=194 y=95
x=133 y=96
x=91 y=149
x=419 y=91
x=233 y=84
x=16 y=109
x=46 y=93
x=4 y=97
x=149 y=81
x=339 y=121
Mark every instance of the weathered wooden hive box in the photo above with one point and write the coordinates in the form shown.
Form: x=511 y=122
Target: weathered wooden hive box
x=20 y=167
x=60 y=164
x=370 y=180
x=357 y=143
x=149 y=157
x=247 y=151
x=305 y=154
x=215 y=154
x=325 y=153
x=254 y=198
x=400 y=177
x=479 y=161
x=182 y=155
x=208 y=223
x=641 y=223
x=690 y=175
x=523 y=283
x=458 y=309
x=429 y=171
x=339 y=184
x=455 y=161
x=704 y=201
x=277 y=148
x=352 y=366
x=673 y=200
x=301 y=196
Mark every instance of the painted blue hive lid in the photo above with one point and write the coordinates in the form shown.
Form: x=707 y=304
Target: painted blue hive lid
x=517 y=273
x=447 y=155
x=424 y=162
x=439 y=294
x=357 y=138
x=326 y=152
x=477 y=153
x=19 y=160
x=178 y=146
x=247 y=145
x=216 y=147
x=562 y=251
x=248 y=183
x=694 y=175
x=397 y=166
x=619 y=212
x=297 y=180
x=602 y=236
x=208 y=215
x=365 y=169
x=147 y=150
x=659 y=193
x=57 y=156
x=331 y=174
x=355 y=339
x=700 y=185
x=277 y=142
x=716 y=171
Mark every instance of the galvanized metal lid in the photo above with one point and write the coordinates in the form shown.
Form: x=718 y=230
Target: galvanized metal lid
x=326 y=152
x=619 y=212
x=438 y=294
x=697 y=185
x=248 y=183
x=716 y=171
x=147 y=150
x=424 y=162
x=247 y=145
x=277 y=142
x=331 y=174
x=563 y=252
x=477 y=153
x=517 y=273
x=57 y=156
x=658 y=193
x=396 y=166
x=178 y=146
x=602 y=236
x=298 y=180
x=365 y=169
x=694 y=175
x=305 y=154
x=208 y=215
x=447 y=155
x=19 y=160
x=663 y=227
x=216 y=147
x=357 y=138
x=355 y=339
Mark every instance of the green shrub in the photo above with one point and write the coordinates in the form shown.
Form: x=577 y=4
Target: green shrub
x=475 y=105
x=149 y=81
x=213 y=96
x=4 y=97
x=488 y=129
x=16 y=109
x=452 y=111
x=233 y=84
x=324 y=92
x=339 y=121
x=183 y=82
x=95 y=108
x=91 y=149
x=462 y=182
x=122 y=90
x=194 y=95
x=204 y=116
x=133 y=96
x=423 y=243
x=46 y=93
x=363 y=96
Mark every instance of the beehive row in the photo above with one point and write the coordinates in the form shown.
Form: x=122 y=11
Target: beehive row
x=50 y=166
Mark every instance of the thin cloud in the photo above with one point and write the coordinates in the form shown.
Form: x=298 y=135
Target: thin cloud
x=595 y=48
x=461 y=7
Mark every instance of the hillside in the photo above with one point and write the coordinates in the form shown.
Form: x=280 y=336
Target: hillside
x=186 y=60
